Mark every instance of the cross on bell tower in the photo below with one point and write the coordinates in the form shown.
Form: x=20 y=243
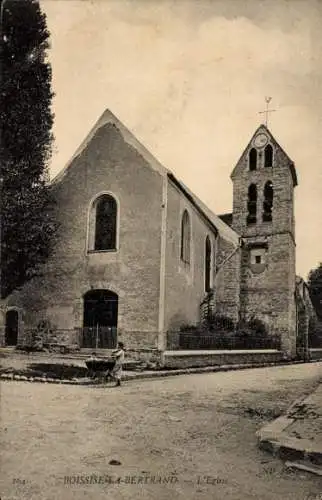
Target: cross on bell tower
x=267 y=110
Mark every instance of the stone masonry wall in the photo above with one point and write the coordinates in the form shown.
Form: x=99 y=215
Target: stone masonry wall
x=267 y=290
x=185 y=284
x=227 y=282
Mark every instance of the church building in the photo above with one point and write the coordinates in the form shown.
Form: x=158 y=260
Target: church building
x=137 y=253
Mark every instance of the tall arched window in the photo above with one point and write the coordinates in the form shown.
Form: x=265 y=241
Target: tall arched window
x=253 y=159
x=185 y=237
x=207 y=264
x=268 y=202
x=105 y=223
x=268 y=156
x=252 y=204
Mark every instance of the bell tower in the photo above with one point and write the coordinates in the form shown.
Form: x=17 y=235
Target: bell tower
x=263 y=215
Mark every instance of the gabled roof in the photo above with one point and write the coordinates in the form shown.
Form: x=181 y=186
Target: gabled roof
x=108 y=118
x=263 y=128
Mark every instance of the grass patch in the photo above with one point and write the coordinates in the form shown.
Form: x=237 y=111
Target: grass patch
x=58 y=371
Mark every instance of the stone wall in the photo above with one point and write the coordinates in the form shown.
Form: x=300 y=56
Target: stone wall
x=227 y=281
x=267 y=290
x=185 y=359
x=185 y=283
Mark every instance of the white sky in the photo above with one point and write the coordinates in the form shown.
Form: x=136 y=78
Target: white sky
x=188 y=78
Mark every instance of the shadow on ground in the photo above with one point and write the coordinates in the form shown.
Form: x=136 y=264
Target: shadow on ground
x=59 y=371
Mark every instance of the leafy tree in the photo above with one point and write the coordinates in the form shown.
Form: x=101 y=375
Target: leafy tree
x=26 y=205
x=315 y=332
x=315 y=289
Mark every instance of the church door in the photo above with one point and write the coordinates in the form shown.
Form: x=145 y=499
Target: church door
x=11 y=330
x=100 y=319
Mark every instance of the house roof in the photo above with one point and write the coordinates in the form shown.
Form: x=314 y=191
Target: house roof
x=274 y=141
x=109 y=118
x=227 y=218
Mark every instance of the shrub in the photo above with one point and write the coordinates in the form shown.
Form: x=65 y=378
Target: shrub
x=253 y=327
x=35 y=339
x=219 y=322
x=257 y=327
x=315 y=333
x=189 y=328
x=220 y=332
x=242 y=328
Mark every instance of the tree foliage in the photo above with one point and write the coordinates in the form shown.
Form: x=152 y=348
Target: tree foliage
x=315 y=289
x=27 y=215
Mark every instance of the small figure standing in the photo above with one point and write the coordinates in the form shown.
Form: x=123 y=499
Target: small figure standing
x=119 y=360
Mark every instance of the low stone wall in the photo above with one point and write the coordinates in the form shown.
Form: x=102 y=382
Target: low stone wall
x=189 y=359
x=139 y=340
x=153 y=356
x=136 y=341
x=58 y=337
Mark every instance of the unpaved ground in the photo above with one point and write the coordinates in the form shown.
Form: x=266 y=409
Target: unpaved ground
x=195 y=434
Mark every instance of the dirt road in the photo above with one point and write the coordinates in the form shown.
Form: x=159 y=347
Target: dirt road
x=187 y=437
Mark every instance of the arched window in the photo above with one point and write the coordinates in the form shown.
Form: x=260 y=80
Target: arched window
x=253 y=159
x=185 y=237
x=104 y=222
x=207 y=265
x=268 y=156
x=268 y=202
x=252 y=204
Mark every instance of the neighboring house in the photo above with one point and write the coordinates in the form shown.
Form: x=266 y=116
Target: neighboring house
x=137 y=252
x=305 y=313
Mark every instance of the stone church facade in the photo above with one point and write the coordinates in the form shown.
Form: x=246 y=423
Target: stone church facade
x=138 y=253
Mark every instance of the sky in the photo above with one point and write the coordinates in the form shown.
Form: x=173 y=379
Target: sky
x=188 y=78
